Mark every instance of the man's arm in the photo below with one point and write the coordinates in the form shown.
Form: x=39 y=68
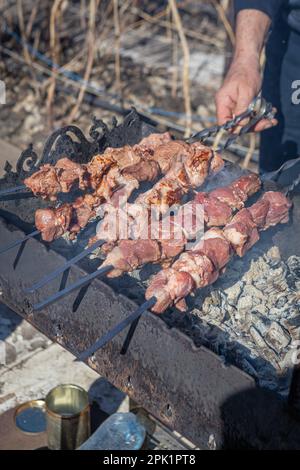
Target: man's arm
x=243 y=80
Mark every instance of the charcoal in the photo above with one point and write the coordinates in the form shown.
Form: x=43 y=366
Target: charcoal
x=260 y=311
x=277 y=337
x=257 y=337
x=245 y=303
x=234 y=292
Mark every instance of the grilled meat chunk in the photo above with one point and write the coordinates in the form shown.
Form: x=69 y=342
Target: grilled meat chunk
x=216 y=212
x=53 y=223
x=171 y=238
x=98 y=167
x=228 y=196
x=170 y=286
x=44 y=183
x=83 y=211
x=246 y=186
x=238 y=191
x=68 y=173
x=154 y=140
x=60 y=178
x=191 y=167
x=130 y=254
x=278 y=209
x=144 y=170
x=214 y=245
x=199 y=267
x=242 y=232
x=167 y=154
x=279 y=206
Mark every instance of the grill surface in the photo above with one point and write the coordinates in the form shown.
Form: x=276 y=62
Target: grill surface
x=188 y=388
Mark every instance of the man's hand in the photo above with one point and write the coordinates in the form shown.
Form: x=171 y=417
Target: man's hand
x=243 y=80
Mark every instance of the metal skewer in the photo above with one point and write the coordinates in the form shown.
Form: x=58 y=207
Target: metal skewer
x=265 y=111
x=229 y=125
x=129 y=336
x=101 y=342
x=64 y=267
x=80 y=283
x=20 y=241
x=292 y=186
x=275 y=175
x=4 y=192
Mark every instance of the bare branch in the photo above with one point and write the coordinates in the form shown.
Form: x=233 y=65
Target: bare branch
x=186 y=67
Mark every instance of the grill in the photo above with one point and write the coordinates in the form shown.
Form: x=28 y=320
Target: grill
x=186 y=369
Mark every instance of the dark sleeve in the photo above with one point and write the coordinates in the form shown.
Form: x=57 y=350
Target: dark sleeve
x=269 y=7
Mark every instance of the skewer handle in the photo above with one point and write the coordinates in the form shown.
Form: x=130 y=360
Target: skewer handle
x=20 y=241
x=265 y=111
x=101 y=342
x=80 y=283
x=63 y=268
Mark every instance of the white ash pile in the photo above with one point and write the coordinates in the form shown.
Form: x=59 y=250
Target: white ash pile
x=251 y=316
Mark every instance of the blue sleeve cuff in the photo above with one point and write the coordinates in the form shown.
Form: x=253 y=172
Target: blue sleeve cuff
x=269 y=7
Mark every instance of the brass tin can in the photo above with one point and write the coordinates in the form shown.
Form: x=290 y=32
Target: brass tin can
x=68 y=417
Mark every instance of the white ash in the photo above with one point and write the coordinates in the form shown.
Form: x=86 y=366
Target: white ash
x=255 y=306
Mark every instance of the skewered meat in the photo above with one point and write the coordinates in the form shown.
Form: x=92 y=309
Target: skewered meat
x=278 y=207
x=82 y=212
x=188 y=218
x=201 y=269
x=215 y=245
x=242 y=232
x=186 y=165
x=51 y=180
x=111 y=181
x=237 y=192
x=193 y=165
x=166 y=193
x=219 y=204
x=127 y=256
x=44 y=183
x=53 y=223
x=170 y=286
x=154 y=140
x=68 y=172
x=171 y=236
x=216 y=213
x=168 y=190
x=203 y=264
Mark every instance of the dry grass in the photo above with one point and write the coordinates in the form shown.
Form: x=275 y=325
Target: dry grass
x=108 y=22
x=117 y=46
x=56 y=12
x=222 y=8
x=186 y=66
x=90 y=46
